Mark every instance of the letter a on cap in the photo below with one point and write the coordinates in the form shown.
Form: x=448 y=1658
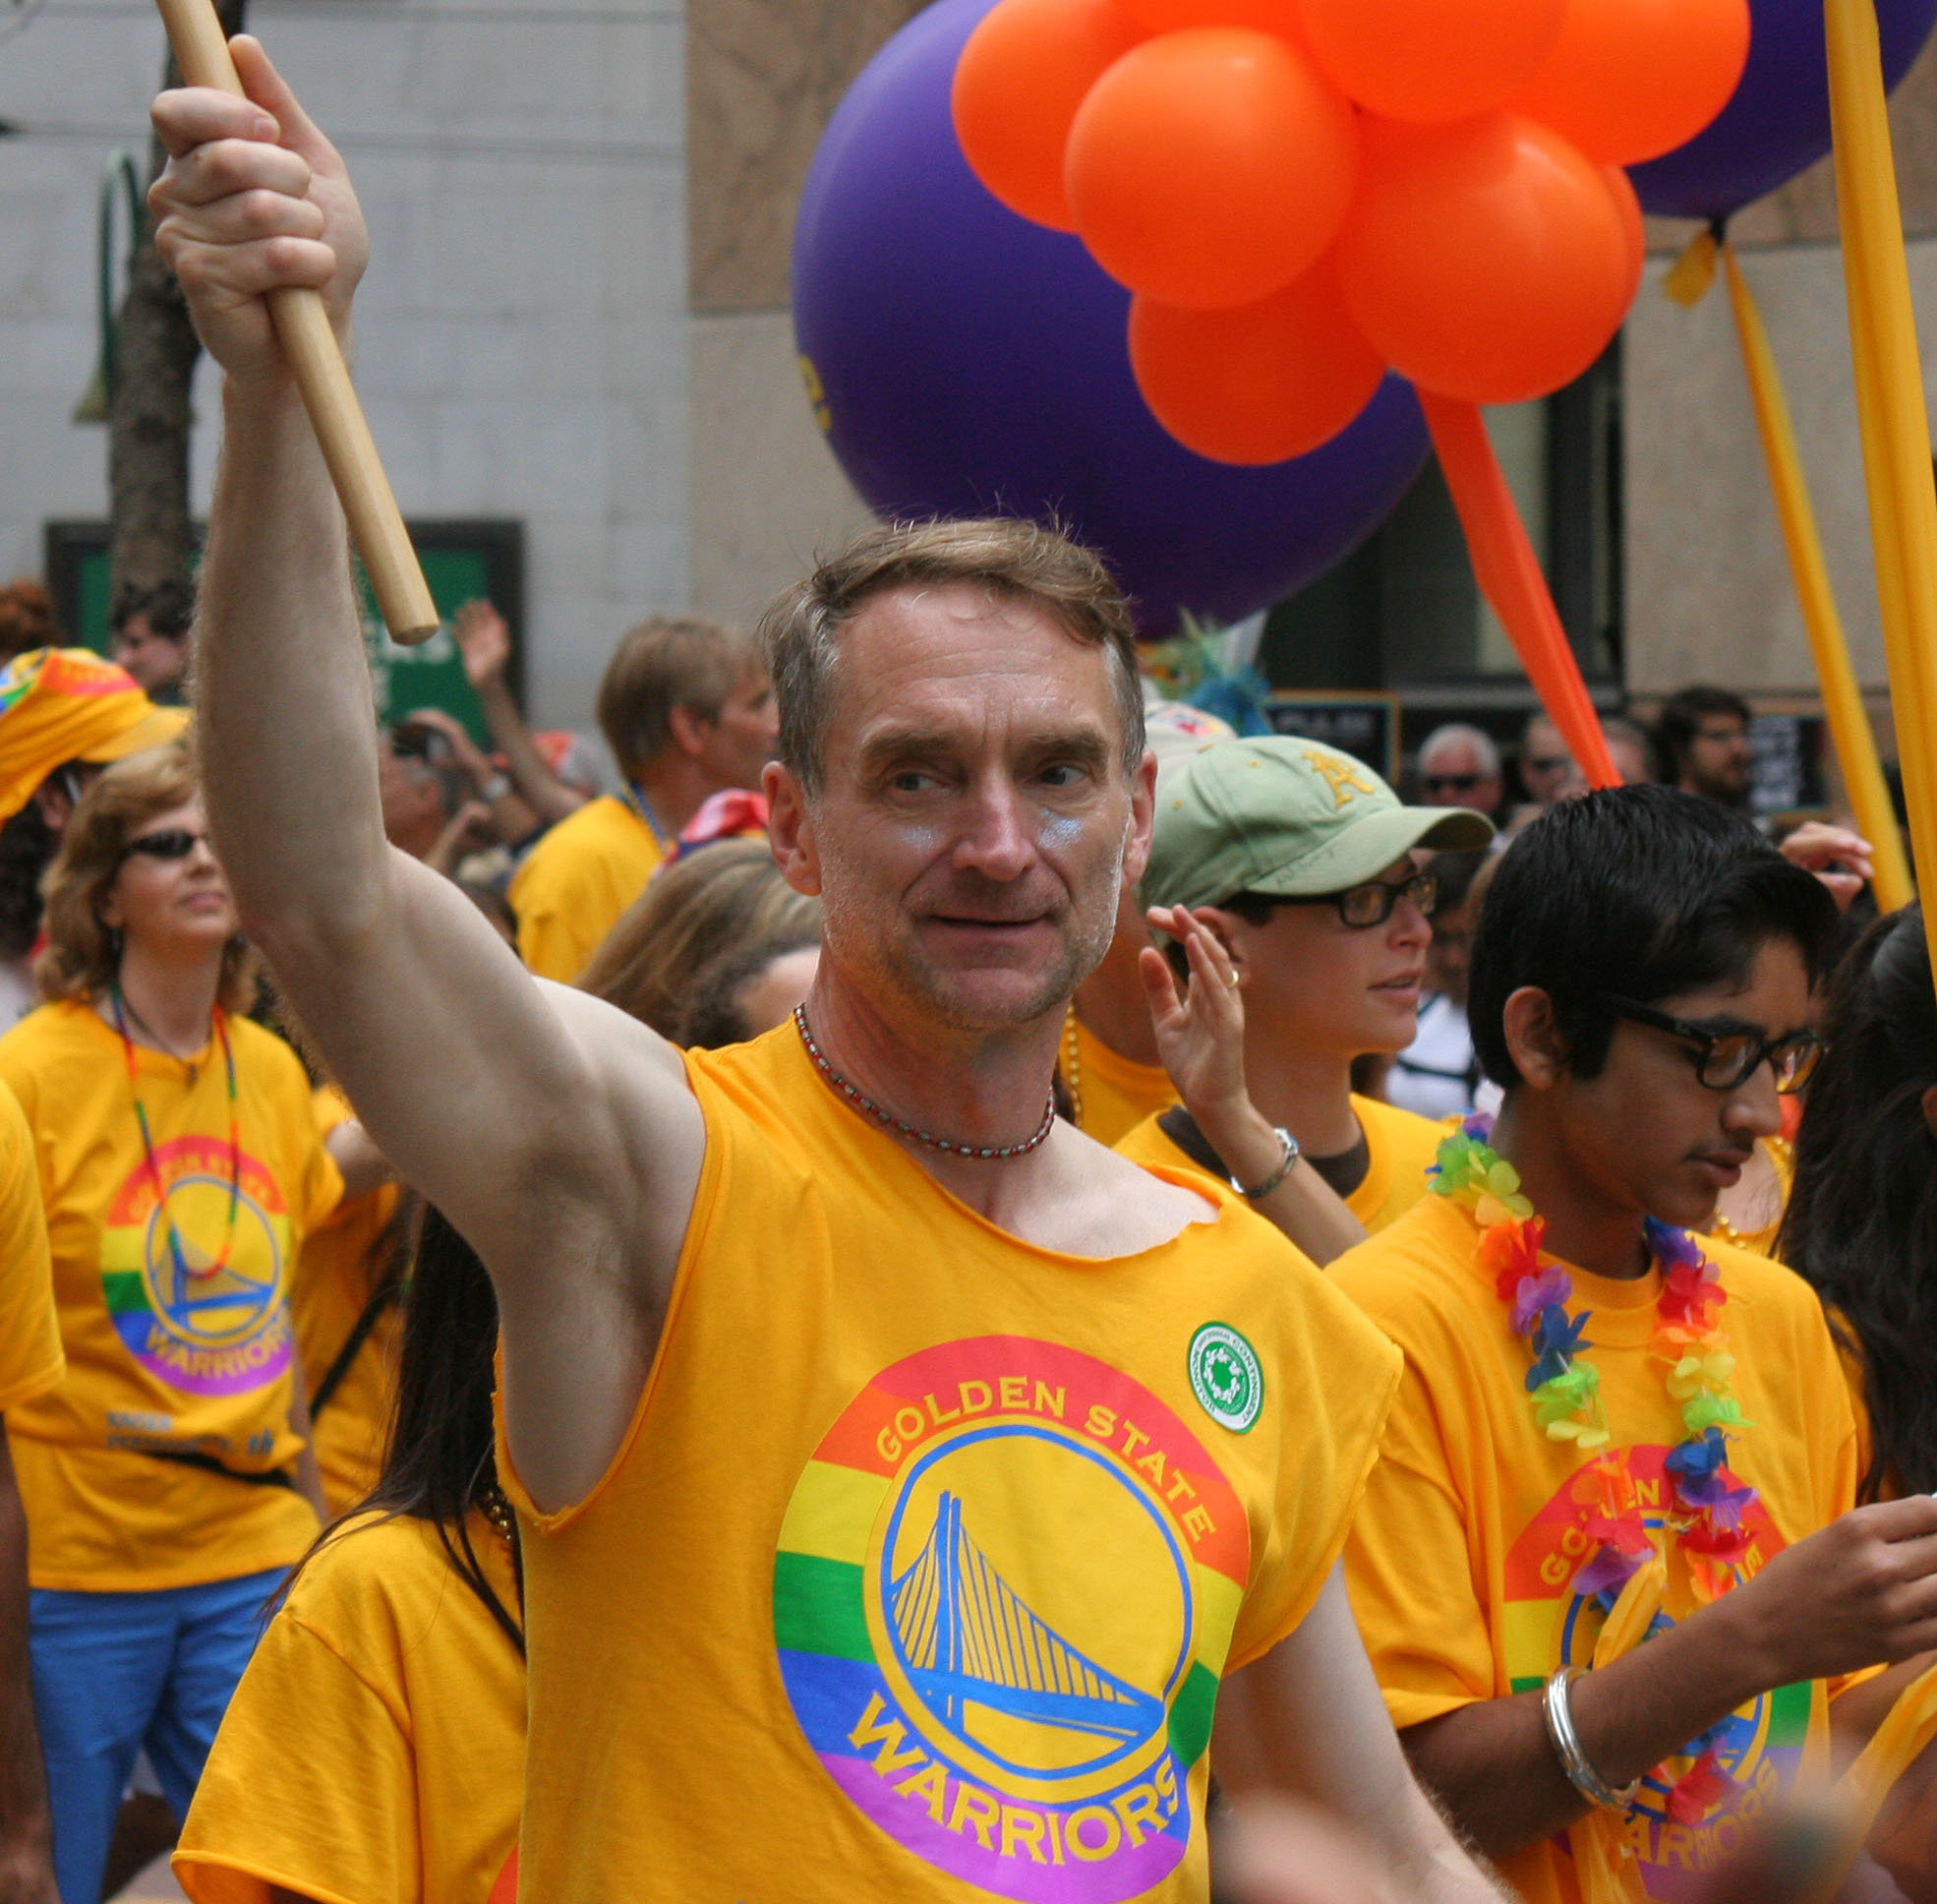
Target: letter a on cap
x=1342 y=776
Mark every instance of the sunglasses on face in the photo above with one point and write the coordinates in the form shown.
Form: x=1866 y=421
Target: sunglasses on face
x=1451 y=783
x=1547 y=764
x=1727 y=1060
x=170 y=843
x=1373 y=903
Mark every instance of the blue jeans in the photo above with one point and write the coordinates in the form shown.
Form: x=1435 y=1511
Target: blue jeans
x=116 y=1671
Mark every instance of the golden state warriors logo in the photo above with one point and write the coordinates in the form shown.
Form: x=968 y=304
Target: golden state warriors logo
x=1003 y=1599
x=200 y=1325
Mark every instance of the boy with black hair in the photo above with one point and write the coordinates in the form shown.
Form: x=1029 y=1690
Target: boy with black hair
x=149 y=638
x=1608 y=1432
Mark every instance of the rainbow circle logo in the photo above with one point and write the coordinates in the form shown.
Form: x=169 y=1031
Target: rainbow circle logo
x=198 y=1329
x=1003 y=1599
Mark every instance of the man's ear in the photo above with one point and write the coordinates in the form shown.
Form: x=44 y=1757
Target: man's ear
x=790 y=828
x=1143 y=813
x=53 y=804
x=1930 y=1109
x=688 y=728
x=1533 y=1037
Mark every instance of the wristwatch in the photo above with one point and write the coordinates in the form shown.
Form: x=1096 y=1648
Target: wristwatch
x=496 y=788
x=1253 y=1191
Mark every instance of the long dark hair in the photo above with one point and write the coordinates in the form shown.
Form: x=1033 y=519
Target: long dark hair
x=440 y=1462
x=1862 y=1224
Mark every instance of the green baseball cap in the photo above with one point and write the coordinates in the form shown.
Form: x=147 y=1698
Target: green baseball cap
x=1287 y=817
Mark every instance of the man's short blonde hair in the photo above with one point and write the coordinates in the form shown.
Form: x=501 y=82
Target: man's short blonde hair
x=666 y=663
x=1015 y=560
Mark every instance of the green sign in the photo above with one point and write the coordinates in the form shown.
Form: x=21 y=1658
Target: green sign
x=463 y=562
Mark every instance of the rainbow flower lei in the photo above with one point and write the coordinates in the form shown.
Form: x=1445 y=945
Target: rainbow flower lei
x=1709 y=1501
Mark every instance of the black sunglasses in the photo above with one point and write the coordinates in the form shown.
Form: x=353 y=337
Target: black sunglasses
x=170 y=843
x=1372 y=903
x=1451 y=783
x=1726 y=1060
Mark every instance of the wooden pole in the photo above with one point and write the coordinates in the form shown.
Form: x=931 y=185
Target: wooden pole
x=302 y=328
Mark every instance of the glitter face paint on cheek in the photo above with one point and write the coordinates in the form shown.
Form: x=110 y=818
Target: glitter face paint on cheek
x=1057 y=833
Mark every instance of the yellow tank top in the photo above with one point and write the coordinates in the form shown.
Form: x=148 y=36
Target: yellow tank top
x=917 y=1570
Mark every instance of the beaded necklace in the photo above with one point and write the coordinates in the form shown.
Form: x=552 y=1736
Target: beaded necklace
x=219 y=1024
x=1073 y=1067
x=636 y=797
x=863 y=1102
x=1564 y=1390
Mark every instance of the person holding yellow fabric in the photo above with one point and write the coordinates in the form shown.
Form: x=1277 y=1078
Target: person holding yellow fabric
x=835 y=1360
x=344 y=1301
x=687 y=711
x=166 y=1479
x=1298 y=858
x=1609 y=1430
x=397 y=1658
x=31 y=1363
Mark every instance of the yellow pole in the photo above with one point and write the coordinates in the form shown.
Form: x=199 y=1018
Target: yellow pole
x=1889 y=403
x=1843 y=701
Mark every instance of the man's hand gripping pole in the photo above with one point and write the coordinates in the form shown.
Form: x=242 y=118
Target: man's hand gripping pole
x=302 y=328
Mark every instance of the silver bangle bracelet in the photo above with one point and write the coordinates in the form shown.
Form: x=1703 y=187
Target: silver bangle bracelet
x=1252 y=1192
x=1561 y=1736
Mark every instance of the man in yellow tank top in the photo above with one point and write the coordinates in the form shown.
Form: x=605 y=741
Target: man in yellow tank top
x=907 y=1479
x=1298 y=858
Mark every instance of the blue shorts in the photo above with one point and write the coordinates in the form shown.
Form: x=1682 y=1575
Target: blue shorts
x=115 y=1673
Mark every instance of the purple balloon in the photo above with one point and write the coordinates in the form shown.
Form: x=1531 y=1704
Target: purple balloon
x=973 y=363
x=1777 y=122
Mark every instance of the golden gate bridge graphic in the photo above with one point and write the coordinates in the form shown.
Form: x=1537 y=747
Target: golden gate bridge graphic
x=966 y=1638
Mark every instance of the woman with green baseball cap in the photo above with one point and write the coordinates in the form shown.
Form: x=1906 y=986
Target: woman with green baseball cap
x=1297 y=861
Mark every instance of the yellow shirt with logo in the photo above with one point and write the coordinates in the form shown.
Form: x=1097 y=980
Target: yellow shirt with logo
x=30 y=1357
x=1400 y=1146
x=190 y=1356
x=1112 y=1094
x=374 y=1752
x=339 y=1270
x=578 y=878
x=920 y=1564
x=1462 y=1557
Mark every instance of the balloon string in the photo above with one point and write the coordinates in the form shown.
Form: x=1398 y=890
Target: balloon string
x=1510 y=578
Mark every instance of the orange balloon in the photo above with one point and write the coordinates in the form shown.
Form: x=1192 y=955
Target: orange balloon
x=1259 y=384
x=1486 y=261
x=1172 y=16
x=1629 y=79
x=1430 y=60
x=1208 y=168
x=1018 y=82
x=1628 y=205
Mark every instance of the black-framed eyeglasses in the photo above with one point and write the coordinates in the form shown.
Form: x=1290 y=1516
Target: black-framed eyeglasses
x=1450 y=782
x=1372 y=903
x=169 y=843
x=1727 y=1060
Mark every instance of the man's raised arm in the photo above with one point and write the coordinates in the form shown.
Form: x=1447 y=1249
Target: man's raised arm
x=557 y=1134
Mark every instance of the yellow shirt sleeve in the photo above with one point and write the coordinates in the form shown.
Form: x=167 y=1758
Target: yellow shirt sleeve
x=578 y=880
x=312 y=1785
x=30 y=1357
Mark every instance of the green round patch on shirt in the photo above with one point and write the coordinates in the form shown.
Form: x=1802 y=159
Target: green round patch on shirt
x=1226 y=1376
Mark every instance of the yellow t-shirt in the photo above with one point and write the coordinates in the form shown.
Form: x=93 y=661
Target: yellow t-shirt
x=1462 y=1559
x=1113 y=1094
x=197 y=1362
x=578 y=878
x=1400 y=1146
x=30 y=1357
x=374 y=1752
x=920 y=1565
x=337 y=1273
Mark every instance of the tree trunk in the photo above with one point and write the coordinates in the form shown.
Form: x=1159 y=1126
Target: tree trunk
x=155 y=351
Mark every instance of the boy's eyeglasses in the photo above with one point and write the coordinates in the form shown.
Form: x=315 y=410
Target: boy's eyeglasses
x=1727 y=1060
x=170 y=843
x=1372 y=903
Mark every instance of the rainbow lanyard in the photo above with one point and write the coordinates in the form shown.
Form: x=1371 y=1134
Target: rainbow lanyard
x=640 y=805
x=220 y=1021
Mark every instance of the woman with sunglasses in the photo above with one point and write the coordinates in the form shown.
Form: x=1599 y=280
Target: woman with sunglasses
x=166 y=1481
